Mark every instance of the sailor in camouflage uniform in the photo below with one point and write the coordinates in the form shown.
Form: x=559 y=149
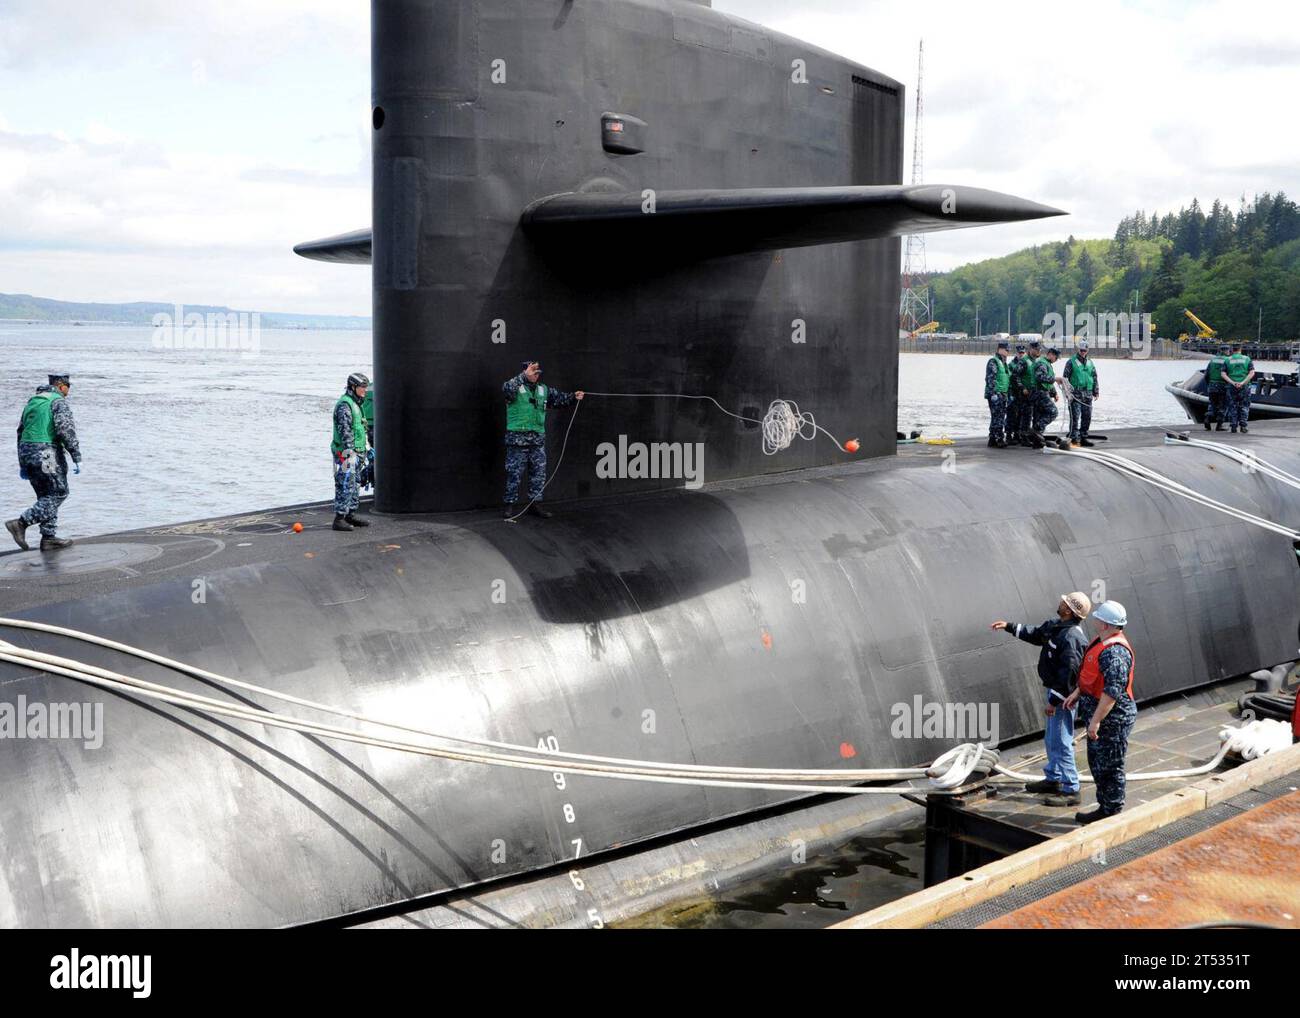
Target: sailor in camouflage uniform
x=47 y=436
x=1018 y=398
x=1105 y=699
x=1043 y=387
x=527 y=401
x=997 y=386
x=348 y=453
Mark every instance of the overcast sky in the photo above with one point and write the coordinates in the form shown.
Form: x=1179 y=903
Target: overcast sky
x=158 y=150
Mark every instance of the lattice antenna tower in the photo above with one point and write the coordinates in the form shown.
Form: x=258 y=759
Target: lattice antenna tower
x=914 y=306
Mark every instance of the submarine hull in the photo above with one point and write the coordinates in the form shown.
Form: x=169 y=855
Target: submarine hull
x=783 y=622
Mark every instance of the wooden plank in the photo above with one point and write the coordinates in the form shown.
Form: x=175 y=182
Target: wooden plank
x=951 y=896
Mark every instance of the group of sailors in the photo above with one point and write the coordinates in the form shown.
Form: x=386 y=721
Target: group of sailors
x=1227 y=383
x=1023 y=392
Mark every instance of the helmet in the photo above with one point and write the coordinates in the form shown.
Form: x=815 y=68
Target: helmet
x=1112 y=613
x=357 y=379
x=1079 y=603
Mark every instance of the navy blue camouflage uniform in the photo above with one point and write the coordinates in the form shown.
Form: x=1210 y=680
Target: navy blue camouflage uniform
x=528 y=448
x=1018 y=404
x=997 y=402
x=1106 y=754
x=1044 y=408
x=349 y=472
x=46 y=466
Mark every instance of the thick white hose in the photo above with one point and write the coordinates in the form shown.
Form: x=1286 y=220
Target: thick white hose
x=1148 y=476
x=950 y=770
x=1242 y=456
x=139 y=687
x=871 y=774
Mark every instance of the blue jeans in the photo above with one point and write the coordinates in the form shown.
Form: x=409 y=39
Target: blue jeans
x=1059 y=739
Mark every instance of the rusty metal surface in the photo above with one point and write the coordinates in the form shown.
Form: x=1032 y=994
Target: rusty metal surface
x=1246 y=869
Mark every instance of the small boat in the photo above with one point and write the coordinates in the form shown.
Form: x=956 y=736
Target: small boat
x=1273 y=396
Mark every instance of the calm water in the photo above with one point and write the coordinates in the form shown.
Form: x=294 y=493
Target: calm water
x=171 y=435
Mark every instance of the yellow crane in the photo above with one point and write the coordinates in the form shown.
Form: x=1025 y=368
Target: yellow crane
x=1203 y=330
x=927 y=327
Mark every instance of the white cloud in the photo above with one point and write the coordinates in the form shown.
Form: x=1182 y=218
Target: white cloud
x=156 y=150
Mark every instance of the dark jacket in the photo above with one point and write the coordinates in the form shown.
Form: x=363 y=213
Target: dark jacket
x=1063 y=646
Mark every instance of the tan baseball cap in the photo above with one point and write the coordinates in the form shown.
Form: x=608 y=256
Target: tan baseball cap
x=1078 y=602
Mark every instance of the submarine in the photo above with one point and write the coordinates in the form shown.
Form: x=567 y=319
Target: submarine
x=656 y=198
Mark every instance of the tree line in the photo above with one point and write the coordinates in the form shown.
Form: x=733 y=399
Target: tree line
x=1238 y=271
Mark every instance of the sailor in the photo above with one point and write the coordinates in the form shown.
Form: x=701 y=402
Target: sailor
x=1238 y=369
x=1105 y=699
x=348 y=452
x=367 y=476
x=47 y=435
x=1215 y=389
x=1063 y=642
x=1018 y=398
x=1081 y=374
x=997 y=383
x=527 y=401
x=1043 y=387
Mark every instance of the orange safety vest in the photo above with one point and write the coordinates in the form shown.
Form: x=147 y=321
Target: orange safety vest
x=1090 y=677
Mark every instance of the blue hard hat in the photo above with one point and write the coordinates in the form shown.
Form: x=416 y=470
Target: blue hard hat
x=1112 y=613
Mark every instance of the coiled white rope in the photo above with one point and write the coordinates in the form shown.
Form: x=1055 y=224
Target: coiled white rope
x=781 y=425
x=1257 y=738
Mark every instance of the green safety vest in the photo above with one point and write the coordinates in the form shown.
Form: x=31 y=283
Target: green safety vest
x=1020 y=367
x=1082 y=375
x=1214 y=373
x=1002 y=376
x=1237 y=367
x=1038 y=383
x=368 y=408
x=527 y=412
x=38 y=418
x=358 y=442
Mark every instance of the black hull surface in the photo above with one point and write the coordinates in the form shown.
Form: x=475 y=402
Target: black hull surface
x=666 y=626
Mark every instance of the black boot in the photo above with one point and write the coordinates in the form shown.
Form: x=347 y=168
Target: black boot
x=536 y=510
x=1087 y=442
x=509 y=513
x=357 y=521
x=54 y=543
x=1063 y=799
x=1000 y=443
x=1234 y=429
x=341 y=523
x=1046 y=785
x=1219 y=426
x=993 y=442
x=18 y=532
x=1245 y=430
x=1092 y=816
